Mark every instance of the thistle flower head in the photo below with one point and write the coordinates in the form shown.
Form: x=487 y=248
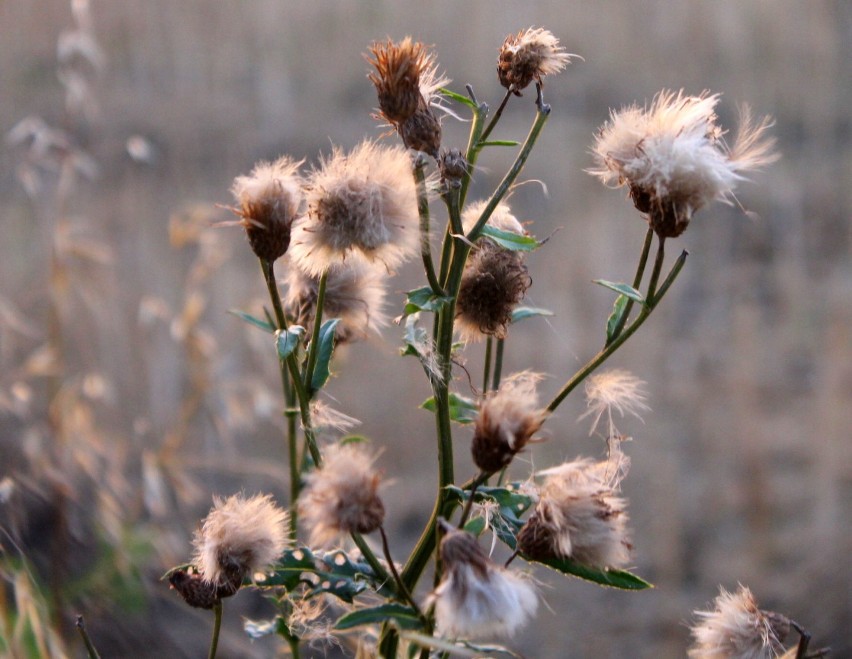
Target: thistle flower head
x=342 y=497
x=239 y=536
x=614 y=390
x=354 y=293
x=579 y=515
x=362 y=202
x=529 y=55
x=493 y=282
x=507 y=420
x=268 y=202
x=475 y=597
x=673 y=158
x=737 y=629
x=399 y=68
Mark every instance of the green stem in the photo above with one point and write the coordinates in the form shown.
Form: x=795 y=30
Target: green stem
x=294 y=646
x=473 y=148
x=371 y=559
x=543 y=112
x=90 y=647
x=313 y=350
x=498 y=364
x=468 y=506
x=401 y=587
x=423 y=210
x=217 y=626
x=487 y=370
x=292 y=364
x=604 y=354
x=494 y=119
x=637 y=280
x=658 y=267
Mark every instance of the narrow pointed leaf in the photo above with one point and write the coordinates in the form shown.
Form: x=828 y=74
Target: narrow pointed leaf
x=326 y=349
x=623 y=289
x=617 y=311
x=404 y=616
x=499 y=143
x=462 y=410
x=251 y=320
x=510 y=240
x=458 y=97
x=521 y=313
x=423 y=299
x=611 y=578
x=287 y=341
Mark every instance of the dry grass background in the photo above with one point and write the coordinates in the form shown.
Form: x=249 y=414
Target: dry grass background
x=742 y=472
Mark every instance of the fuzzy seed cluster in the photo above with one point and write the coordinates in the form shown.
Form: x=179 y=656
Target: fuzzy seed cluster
x=529 y=55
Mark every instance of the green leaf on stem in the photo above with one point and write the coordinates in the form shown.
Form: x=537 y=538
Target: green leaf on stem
x=456 y=648
x=457 y=97
x=334 y=573
x=499 y=143
x=623 y=289
x=520 y=313
x=476 y=526
x=462 y=410
x=252 y=320
x=325 y=350
x=404 y=616
x=288 y=340
x=510 y=240
x=511 y=505
x=615 y=316
x=611 y=578
x=423 y=299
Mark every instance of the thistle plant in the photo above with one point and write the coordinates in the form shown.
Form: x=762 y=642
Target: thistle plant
x=341 y=230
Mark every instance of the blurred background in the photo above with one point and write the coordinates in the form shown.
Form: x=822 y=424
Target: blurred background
x=128 y=396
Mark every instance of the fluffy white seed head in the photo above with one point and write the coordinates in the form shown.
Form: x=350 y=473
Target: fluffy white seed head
x=673 y=157
x=737 y=629
x=529 y=55
x=240 y=536
x=354 y=293
x=617 y=390
x=579 y=515
x=342 y=496
x=477 y=598
x=362 y=203
x=501 y=218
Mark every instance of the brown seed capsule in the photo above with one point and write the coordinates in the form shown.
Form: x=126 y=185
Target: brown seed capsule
x=493 y=282
x=452 y=165
x=529 y=55
x=198 y=592
x=422 y=131
x=535 y=539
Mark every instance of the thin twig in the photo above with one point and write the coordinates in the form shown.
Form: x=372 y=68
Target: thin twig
x=90 y=647
x=468 y=506
x=217 y=626
x=498 y=364
x=495 y=118
x=403 y=589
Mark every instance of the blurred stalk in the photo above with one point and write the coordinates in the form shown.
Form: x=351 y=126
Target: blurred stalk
x=217 y=626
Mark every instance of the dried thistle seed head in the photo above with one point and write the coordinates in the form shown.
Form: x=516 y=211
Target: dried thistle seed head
x=475 y=597
x=673 y=158
x=239 y=536
x=501 y=217
x=354 y=293
x=399 y=67
x=422 y=131
x=268 y=202
x=342 y=496
x=736 y=627
x=453 y=166
x=493 y=282
x=579 y=515
x=364 y=203
x=529 y=55
x=507 y=421
x=197 y=591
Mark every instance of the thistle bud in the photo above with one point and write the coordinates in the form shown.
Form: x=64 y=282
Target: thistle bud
x=269 y=201
x=529 y=55
x=453 y=166
x=507 y=421
x=421 y=131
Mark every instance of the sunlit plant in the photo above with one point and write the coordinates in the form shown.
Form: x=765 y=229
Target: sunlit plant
x=345 y=226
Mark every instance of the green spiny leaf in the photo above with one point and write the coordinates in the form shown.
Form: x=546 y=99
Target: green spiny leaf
x=288 y=340
x=404 y=616
x=610 y=578
x=423 y=299
x=615 y=316
x=462 y=410
x=623 y=289
x=520 y=313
